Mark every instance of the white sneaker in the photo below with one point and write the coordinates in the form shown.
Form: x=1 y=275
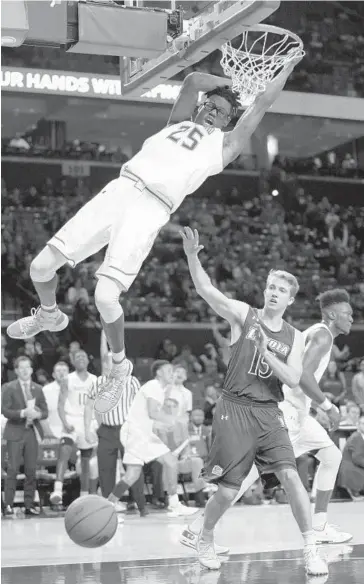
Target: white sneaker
x=111 y=387
x=181 y=511
x=331 y=534
x=56 y=498
x=189 y=539
x=120 y=507
x=207 y=554
x=314 y=565
x=38 y=321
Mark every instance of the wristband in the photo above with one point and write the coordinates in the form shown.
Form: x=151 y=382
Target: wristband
x=326 y=405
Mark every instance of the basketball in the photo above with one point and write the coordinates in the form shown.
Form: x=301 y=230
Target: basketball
x=91 y=521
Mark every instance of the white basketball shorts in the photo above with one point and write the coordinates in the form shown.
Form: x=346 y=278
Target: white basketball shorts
x=121 y=216
x=140 y=446
x=78 y=434
x=305 y=433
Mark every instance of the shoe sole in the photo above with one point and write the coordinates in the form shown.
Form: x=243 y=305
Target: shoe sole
x=189 y=544
x=56 y=329
x=330 y=542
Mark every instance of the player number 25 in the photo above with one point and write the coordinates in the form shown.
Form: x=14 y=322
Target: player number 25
x=259 y=366
x=186 y=137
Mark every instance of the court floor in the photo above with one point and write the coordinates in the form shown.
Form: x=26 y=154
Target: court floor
x=264 y=541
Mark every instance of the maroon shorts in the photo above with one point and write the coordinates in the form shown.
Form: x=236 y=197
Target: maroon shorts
x=244 y=433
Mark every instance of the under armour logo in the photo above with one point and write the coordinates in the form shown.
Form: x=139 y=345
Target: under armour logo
x=224 y=417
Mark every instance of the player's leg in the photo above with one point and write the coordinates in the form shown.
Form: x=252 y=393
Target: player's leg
x=86 y=455
x=65 y=450
x=83 y=235
x=230 y=461
x=314 y=438
x=189 y=535
x=94 y=475
x=132 y=237
x=48 y=317
x=275 y=454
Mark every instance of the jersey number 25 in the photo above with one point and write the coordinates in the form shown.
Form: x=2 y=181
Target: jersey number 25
x=186 y=137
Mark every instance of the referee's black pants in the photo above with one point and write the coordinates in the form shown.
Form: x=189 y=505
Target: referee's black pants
x=107 y=455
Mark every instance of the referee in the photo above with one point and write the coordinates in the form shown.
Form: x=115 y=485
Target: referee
x=109 y=441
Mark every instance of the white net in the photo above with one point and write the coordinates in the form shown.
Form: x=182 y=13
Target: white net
x=257 y=57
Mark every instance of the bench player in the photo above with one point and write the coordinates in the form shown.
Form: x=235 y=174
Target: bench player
x=305 y=433
x=248 y=426
x=74 y=390
x=131 y=210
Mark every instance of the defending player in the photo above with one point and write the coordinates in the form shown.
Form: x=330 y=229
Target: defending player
x=71 y=405
x=248 y=425
x=131 y=210
x=305 y=433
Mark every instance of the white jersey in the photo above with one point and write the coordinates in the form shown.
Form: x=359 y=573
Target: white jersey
x=51 y=393
x=78 y=391
x=178 y=159
x=138 y=414
x=296 y=396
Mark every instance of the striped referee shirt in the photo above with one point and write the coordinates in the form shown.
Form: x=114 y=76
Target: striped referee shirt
x=118 y=415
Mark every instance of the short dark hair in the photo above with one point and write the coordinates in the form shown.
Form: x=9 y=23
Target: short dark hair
x=19 y=360
x=331 y=297
x=228 y=94
x=157 y=365
x=61 y=363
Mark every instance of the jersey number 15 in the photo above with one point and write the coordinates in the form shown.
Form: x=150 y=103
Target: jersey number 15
x=186 y=137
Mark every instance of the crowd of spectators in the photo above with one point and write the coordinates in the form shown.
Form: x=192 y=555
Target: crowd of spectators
x=320 y=242
x=332 y=35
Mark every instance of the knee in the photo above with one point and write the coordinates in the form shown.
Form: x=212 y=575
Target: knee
x=45 y=264
x=288 y=476
x=132 y=474
x=228 y=494
x=330 y=457
x=107 y=295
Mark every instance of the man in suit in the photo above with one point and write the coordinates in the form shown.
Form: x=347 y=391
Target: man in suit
x=351 y=475
x=24 y=405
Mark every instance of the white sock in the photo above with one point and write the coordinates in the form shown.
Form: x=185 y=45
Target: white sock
x=173 y=500
x=58 y=486
x=319 y=520
x=197 y=524
x=309 y=537
x=117 y=358
x=49 y=308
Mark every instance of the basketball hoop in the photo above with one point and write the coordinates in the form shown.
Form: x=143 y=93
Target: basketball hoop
x=260 y=57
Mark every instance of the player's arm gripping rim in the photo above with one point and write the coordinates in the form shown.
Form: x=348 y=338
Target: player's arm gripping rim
x=235 y=140
x=232 y=310
x=61 y=404
x=193 y=85
x=290 y=372
x=318 y=346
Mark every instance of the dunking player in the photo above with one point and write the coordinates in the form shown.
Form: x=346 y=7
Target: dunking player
x=248 y=425
x=131 y=210
x=305 y=433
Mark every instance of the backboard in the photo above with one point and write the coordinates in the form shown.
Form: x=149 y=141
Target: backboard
x=218 y=22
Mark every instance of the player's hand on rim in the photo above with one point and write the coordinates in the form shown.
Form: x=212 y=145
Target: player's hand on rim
x=190 y=240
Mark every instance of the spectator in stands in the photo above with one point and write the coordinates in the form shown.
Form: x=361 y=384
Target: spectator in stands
x=33 y=350
x=199 y=433
x=351 y=475
x=41 y=377
x=188 y=360
x=357 y=386
x=6 y=364
x=167 y=350
x=352 y=415
x=334 y=382
x=211 y=397
x=24 y=405
x=180 y=393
